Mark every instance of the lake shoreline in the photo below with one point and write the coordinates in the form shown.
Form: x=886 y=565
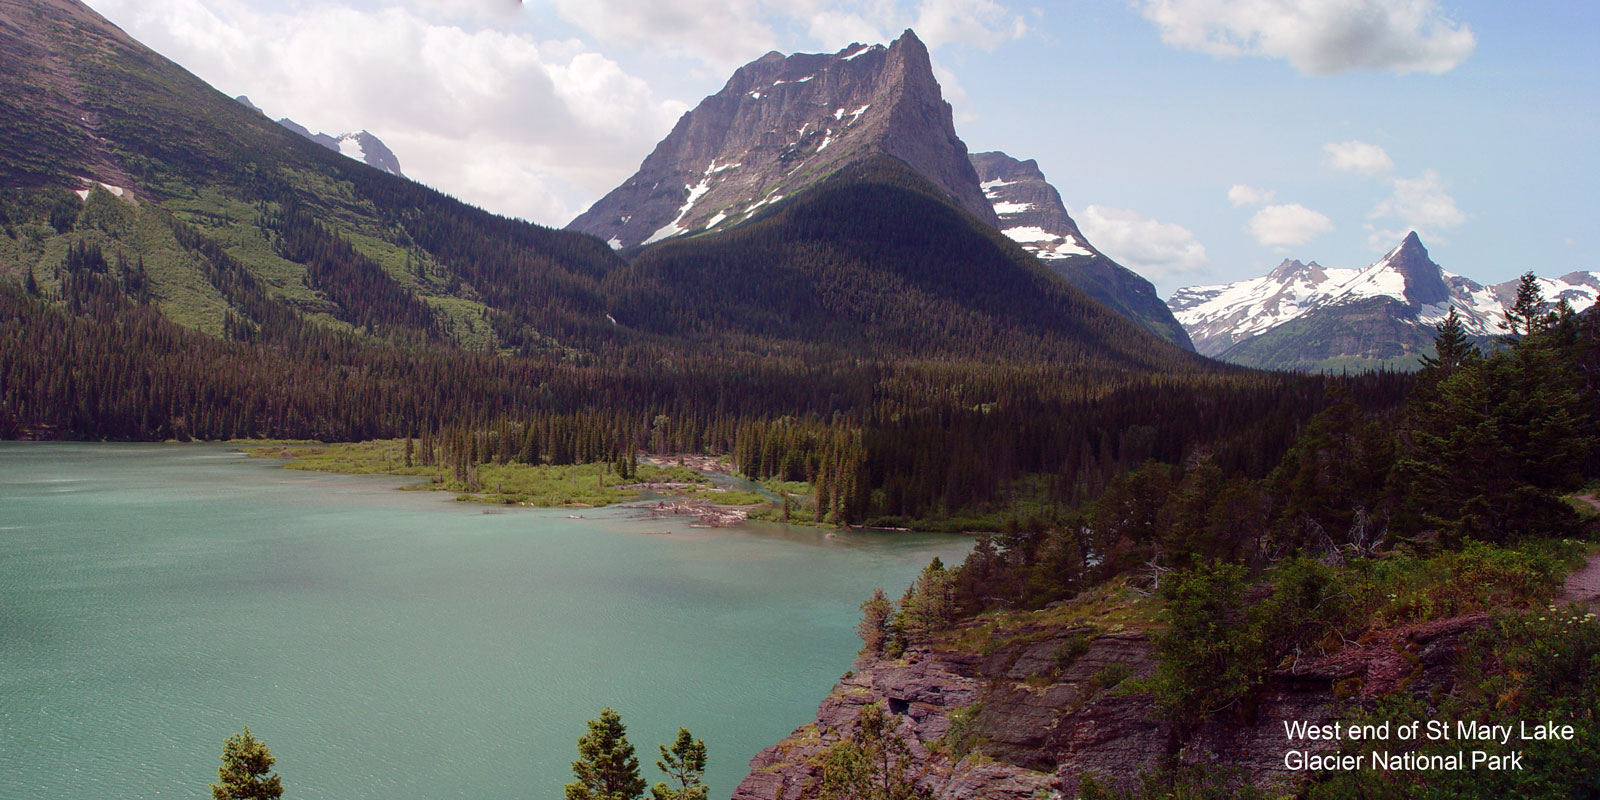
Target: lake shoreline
x=678 y=488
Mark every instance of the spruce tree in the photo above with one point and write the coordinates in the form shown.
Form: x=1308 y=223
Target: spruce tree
x=1451 y=346
x=874 y=625
x=243 y=774
x=685 y=765
x=929 y=605
x=1526 y=314
x=606 y=768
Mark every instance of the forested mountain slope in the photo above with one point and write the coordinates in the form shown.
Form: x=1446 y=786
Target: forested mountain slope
x=874 y=261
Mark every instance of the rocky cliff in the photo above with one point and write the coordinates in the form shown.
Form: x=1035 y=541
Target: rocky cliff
x=1030 y=212
x=1020 y=711
x=780 y=125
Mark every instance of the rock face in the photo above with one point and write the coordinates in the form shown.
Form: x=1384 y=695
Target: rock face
x=781 y=124
x=1030 y=212
x=1303 y=316
x=362 y=146
x=1025 y=720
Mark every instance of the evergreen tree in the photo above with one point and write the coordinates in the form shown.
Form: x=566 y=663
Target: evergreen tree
x=685 y=765
x=243 y=774
x=874 y=625
x=606 y=768
x=1451 y=347
x=1486 y=453
x=1526 y=314
x=930 y=603
x=873 y=764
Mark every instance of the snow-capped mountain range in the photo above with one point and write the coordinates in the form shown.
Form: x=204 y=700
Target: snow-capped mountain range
x=362 y=146
x=1411 y=287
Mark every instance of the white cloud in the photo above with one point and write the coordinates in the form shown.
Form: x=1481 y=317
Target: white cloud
x=1288 y=225
x=1318 y=37
x=471 y=10
x=984 y=23
x=1154 y=249
x=721 y=33
x=1242 y=195
x=520 y=127
x=835 y=30
x=1357 y=156
x=727 y=33
x=1420 y=204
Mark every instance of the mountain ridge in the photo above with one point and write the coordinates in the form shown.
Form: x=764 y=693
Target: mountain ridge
x=363 y=145
x=1286 y=318
x=1031 y=213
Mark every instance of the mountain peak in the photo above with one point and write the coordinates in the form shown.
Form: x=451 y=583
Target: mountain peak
x=1032 y=214
x=1424 y=283
x=362 y=146
x=1291 y=269
x=780 y=125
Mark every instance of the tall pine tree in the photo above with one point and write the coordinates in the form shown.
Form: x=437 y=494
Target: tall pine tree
x=606 y=768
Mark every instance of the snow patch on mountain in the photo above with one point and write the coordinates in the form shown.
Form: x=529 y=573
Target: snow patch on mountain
x=350 y=147
x=83 y=194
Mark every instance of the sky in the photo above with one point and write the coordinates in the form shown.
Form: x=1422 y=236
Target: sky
x=1195 y=141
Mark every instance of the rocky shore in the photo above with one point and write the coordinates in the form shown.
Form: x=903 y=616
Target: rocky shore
x=1029 y=716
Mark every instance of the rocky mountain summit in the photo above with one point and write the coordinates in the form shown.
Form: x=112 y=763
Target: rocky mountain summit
x=362 y=146
x=1030 y=212
x=780 y=125
x=1303 y=315
x=783 y=124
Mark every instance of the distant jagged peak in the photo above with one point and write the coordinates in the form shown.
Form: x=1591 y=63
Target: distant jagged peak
x=1424 y=281
x=1294 y=269
x=1405 y=273
x=1405 y=282
x=361 y=146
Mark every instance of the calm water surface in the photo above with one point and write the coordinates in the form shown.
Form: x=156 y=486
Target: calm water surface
x=154 y=599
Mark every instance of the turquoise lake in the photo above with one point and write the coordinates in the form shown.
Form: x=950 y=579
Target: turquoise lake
x=155 y=599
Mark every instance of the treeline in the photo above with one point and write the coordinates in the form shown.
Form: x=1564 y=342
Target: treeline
x=1482 y=449
x=879 y=442
x=901 y=463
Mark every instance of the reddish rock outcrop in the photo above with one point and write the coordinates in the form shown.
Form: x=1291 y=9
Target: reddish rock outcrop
x=1028 y=719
